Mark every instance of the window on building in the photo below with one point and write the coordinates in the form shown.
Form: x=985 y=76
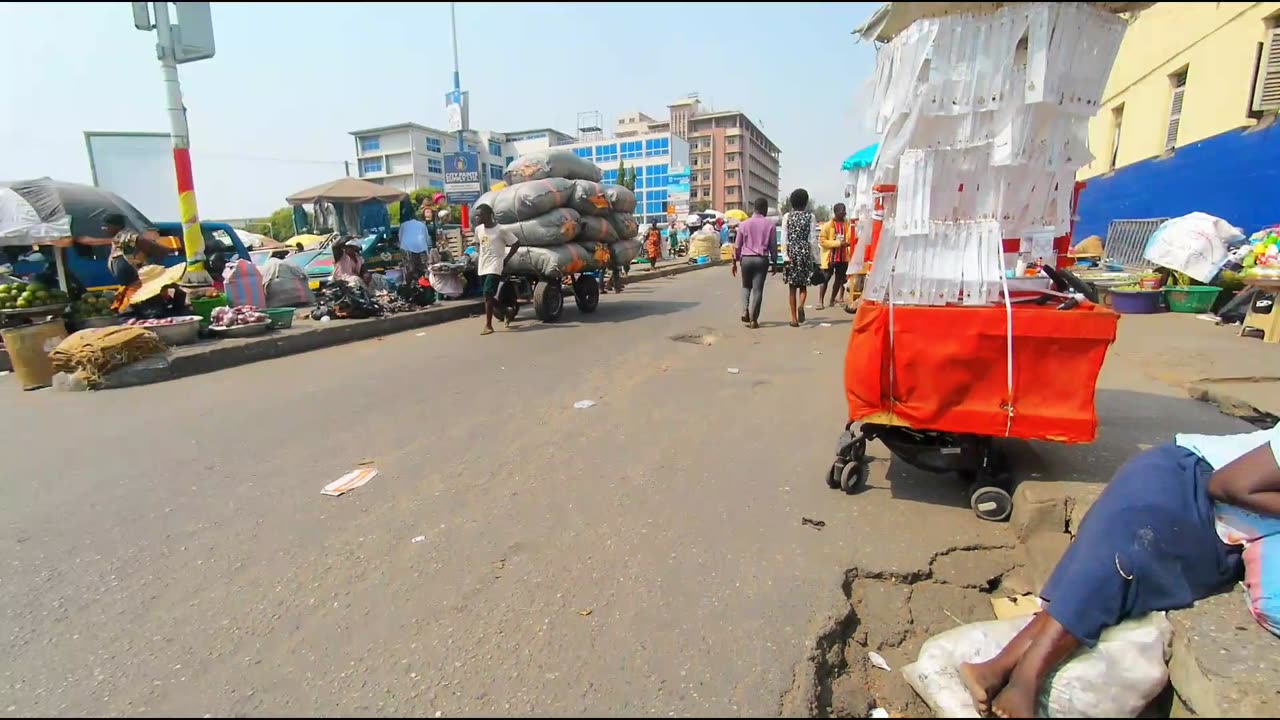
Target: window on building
x=583 y=152
x=1117 y=119
x=657 y=147
x=370 y=165
x=435 y=166
x=1266 y=89
x=656 y=177
x=706 y=177
x=472 y=147
x=1178 y=85
x=731 y=141
x=731 y=174
x=510 y=159
x=433 y=144
x=372 y=143
x=495 y=172
x=607 y=153
x=495 y=148
x=731 y=191
x=655 y=207
x=731 y=157
x=632 y=149
x=610 y=177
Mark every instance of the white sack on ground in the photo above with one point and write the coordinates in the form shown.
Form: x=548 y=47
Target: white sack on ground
x=551 y=163
x=1196 y=244
x=1117 y=678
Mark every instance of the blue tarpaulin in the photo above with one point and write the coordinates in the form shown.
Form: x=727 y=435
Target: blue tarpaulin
x=861 y=159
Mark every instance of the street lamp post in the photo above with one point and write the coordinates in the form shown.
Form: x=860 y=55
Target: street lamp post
x=191 y=39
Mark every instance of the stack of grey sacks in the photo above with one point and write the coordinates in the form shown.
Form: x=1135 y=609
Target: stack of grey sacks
x=566 y=219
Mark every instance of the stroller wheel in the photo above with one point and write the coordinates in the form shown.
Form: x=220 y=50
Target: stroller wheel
x=853 y=478
x=990 y=502
x=833 y=475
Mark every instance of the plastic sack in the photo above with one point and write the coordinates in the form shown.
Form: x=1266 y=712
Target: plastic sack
x=526 y=201
x=1118 y=678
x=548 y=164
x=704 y=244
x=555 y=261
x=620 y=198
x=624 y=252
x=244 y=284
x=597 y=229
x=1196 y=244
x=554 y=228
x=589 y=198
x=625 y=225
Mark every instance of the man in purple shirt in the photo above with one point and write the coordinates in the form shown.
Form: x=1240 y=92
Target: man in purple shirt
x=757 y=249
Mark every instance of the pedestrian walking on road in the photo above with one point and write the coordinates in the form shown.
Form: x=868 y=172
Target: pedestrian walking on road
x=653 y=245
x=834 y=239
x=756 y=248
x=1166 y=532
x=497 y=245
x=801 y=229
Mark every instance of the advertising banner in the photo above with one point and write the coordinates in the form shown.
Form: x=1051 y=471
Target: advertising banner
x=462 y=177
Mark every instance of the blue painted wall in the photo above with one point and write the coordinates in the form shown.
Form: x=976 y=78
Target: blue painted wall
x=1235 y=176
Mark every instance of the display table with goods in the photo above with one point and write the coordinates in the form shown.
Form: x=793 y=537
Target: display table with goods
x=983 y=116
x=570 y=228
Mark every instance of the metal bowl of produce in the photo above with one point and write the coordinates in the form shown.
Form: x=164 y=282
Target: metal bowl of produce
x=173 y=331
x=100 y=321
x=236 y=331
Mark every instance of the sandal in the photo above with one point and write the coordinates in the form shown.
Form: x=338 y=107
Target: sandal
x=801 y=314
x=795 y=324
x=487 y=331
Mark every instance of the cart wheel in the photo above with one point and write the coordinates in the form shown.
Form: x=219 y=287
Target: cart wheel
x=990 y=502
x=853 y=478
x=833 y=475
x=548 y=301
x=586 y=293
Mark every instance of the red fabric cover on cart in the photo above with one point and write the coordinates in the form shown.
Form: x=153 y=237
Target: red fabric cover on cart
x=949 y=368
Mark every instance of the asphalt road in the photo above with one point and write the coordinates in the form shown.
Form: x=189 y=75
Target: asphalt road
x=168 y=551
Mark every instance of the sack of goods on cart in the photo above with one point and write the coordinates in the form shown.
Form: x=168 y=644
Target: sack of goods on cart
x=566 y=219
x=982 y=117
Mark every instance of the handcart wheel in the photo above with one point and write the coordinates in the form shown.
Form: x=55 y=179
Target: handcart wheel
x=833 y=475
x=990 y=502
x=853 y=478
x=586 y=293
x=548 y=301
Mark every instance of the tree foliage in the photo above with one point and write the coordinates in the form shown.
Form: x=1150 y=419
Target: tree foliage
x=281 y=222
x=626 y=176
x=699 y=205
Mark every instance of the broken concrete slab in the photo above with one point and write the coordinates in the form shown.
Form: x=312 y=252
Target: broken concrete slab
x=1036 y=560
x=1223 y=663
x=1081 y=501
x=1038 y=508
x=977 y=568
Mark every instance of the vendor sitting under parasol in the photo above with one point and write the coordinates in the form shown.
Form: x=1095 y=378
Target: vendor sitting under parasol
x=130 y=249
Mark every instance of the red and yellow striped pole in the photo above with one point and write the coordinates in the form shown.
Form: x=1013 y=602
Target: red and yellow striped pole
x=192 y=236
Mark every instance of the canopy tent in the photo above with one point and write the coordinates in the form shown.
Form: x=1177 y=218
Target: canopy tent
x=861 y=159
x=347 y=190
x=359 y=205
x=892 y=18
x=42 y=211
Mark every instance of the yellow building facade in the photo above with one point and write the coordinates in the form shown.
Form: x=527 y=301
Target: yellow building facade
x=1186 y=72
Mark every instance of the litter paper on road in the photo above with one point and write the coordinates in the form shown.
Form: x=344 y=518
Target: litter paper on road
x=877 y=660
x=584 y=404
x=419 y=334
x=349 y=482
x=824 y=324
x=733 y=371
x=420 y=538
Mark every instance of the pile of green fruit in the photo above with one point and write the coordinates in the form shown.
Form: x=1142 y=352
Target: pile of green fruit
x=92 y=305
x=17 y=296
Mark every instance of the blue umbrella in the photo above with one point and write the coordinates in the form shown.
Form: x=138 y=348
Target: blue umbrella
x=861 y=159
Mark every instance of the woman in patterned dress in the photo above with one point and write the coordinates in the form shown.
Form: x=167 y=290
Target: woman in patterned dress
x=800 y=263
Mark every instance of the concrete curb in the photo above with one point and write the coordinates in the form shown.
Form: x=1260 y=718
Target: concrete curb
x=212 y=356
x=1231 y=404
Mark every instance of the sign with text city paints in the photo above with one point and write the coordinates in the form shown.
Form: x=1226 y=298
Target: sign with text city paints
x=461 y=177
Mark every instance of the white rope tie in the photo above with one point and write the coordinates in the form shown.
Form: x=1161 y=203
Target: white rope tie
x=1008 y=315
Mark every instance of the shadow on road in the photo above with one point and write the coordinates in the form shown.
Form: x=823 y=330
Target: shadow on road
x=1129 y=422
x=620 y=310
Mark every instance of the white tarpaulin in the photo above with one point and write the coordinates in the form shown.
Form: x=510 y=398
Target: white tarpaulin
x=137 y=166
x=1196 y=245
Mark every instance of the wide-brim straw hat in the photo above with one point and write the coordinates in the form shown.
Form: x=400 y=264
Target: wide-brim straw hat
x=155 y=279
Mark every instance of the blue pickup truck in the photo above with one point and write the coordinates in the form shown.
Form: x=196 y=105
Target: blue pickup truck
x=89 y=263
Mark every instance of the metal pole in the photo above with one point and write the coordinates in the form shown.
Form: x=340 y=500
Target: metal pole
x=192 y=236
x=457 y=79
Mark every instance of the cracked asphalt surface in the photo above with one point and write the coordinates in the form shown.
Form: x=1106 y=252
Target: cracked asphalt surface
x=169 y=551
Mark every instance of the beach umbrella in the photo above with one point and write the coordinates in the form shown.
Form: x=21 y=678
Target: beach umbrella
x=35 y=212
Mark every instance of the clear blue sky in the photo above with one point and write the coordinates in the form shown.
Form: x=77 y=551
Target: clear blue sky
x=270 y=113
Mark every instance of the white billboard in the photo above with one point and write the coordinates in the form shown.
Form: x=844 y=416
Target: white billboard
x=138 y=167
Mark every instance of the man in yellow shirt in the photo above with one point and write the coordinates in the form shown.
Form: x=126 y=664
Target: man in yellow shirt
x=834 y=238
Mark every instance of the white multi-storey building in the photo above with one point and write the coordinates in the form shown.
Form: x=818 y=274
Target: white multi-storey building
x=409 y=156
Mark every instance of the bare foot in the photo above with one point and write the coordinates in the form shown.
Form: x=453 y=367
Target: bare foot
x=1016 y=700
x=983 y=683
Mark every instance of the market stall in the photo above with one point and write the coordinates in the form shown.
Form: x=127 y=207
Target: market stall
x=355 y=206
x=982 y=111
